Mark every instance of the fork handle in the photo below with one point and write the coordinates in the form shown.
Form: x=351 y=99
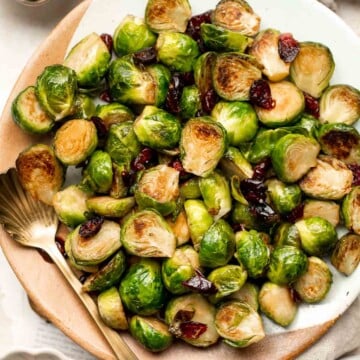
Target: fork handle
x=119 y=347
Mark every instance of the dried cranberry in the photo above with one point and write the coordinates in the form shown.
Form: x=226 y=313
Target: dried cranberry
x=177 y=165
x=288 y=47
x=296 y=214
x=356 y=173
x=264 y=213
x=105 y=96
x=209 y=100
x=312 y=105
x=184 y=315
x=191 y=329
x=253 y=190
x=91 y=227
x=145 y=159
x=193 y=27
x=261 y=169
x=187 y=78
x=100 y=126
x=200 y=284
x=145 y=56
x=173 y=97
x=108 y=40
x=260 y=95
x=128 y=177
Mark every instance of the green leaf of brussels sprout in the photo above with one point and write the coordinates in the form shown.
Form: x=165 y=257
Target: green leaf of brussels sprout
x=190 y=102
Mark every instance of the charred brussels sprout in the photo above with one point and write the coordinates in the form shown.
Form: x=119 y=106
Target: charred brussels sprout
x=238 y=118
x=90 y=59
x=287 y=263
x=351 y=210
x=28 y=114
x=55 y=90
x=109 y=207
x=233 y=75
x=203 y=143
x=239 y=324
x=312 y=68
x=249 y=294
x=114 y=113
x=150 y=332
x=317 y=235
x=190 y=102
x=74 y=141
x=340 y=104
x=286 y=234
x=315 y=283
x=234 y=163
x=147 y=234
x=177 y=51
x=157 y=128
x=40 y=173
x=141 y=289
x=293 y=156
x=132 y=35
x=328 y=210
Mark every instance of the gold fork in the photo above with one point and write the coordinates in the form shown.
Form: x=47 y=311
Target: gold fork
x=34 y=224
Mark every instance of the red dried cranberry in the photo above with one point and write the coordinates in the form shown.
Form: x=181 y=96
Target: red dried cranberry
x=199 y=283
x=100 y=126
x=312 y=105
x=253 y=190
x=261 y=169
x=356 y=173
x=288 y=47
x=105 y=96
x=209 y=100
x=91 y=227
x=108 y=40
x=173 y=97
x=193 y=27
x=128 y=177
x=260 y=95
x=296 y=214
x=177 y=165
x=187 y=78
x=145 y=159
x=145 y=56
x=264 y=213
x=191 y=329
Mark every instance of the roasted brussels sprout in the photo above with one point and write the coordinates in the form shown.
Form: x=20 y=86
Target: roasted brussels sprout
x=162 y=76
x=141 y=289
x=328 y=210
x=330 y=179
x=179 y=268
x=74 y=141
x=180 y=227
x=196 y=309
x=90 y=59
x=150 y=332
x=310 y=124
x=238 y=118
x=203 y=143
x=238 y=324
x=56 y=89
x=277 y=303
x=190 y=189
x=177 y=51
x=28 y=114
x=289 y=105
x=190 y=102
x=248 y=293
x=346 y=255
x=217 y=245
x=293 y=156
x=315 y=283
x=242 y=215
x=236 y=15
x=132 y=35
x=234 y=163
x=84 y=107
x=111 y=309
x=318 y=236
x=252 y=252
x=40 y=173
x=350 y=209
x=165 y=15
x=157 y=128
x=286 y=234
x=114 y=113
x=147 y=234
x=233 y=75
x=109 y=207
x=312 y=68
x=340 y=104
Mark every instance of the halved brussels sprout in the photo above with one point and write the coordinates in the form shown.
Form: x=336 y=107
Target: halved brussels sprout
x=157 y=128
x=190 y=189
x=249 y=294
x=111 y=309
x=265 y=49
x=28 y=114
x=165 y=15
x=286 y=234
x=312 y=68
x=97 y=248
x=147 y=234
x=190 y=102
x=350 y=209
x=277 y=303
x=340 y=104
x=287 y=263
x=346 y=255
x=132 y=35
x=328 y=210
x=330 y=179
x=90 y=59
x=284 y=197
x=233 y=75
x=217 y=245
x=141 y=289
x=162 y=76
x=177 y=51
x=199 y=220
x=315 y=283
x=203 y=143
x=114 y=113
x=158 y=188
x=150 y=332
x=180 y=227
x=108 y=275
x=179 y=268
x=40 y=172
x=84 y=107
x=196 y=309
x=318 y=236
x=56 y=89
x=75 y=140
x=203 y=68
x=252 y=252
x=293 y=156
x=70 y=205
x=234 y=163
x=119 y=187
x=236 y=15
x=109 y=207
x=239 y=324
x=217 y=38
x=238 y=118
x=289 y=105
